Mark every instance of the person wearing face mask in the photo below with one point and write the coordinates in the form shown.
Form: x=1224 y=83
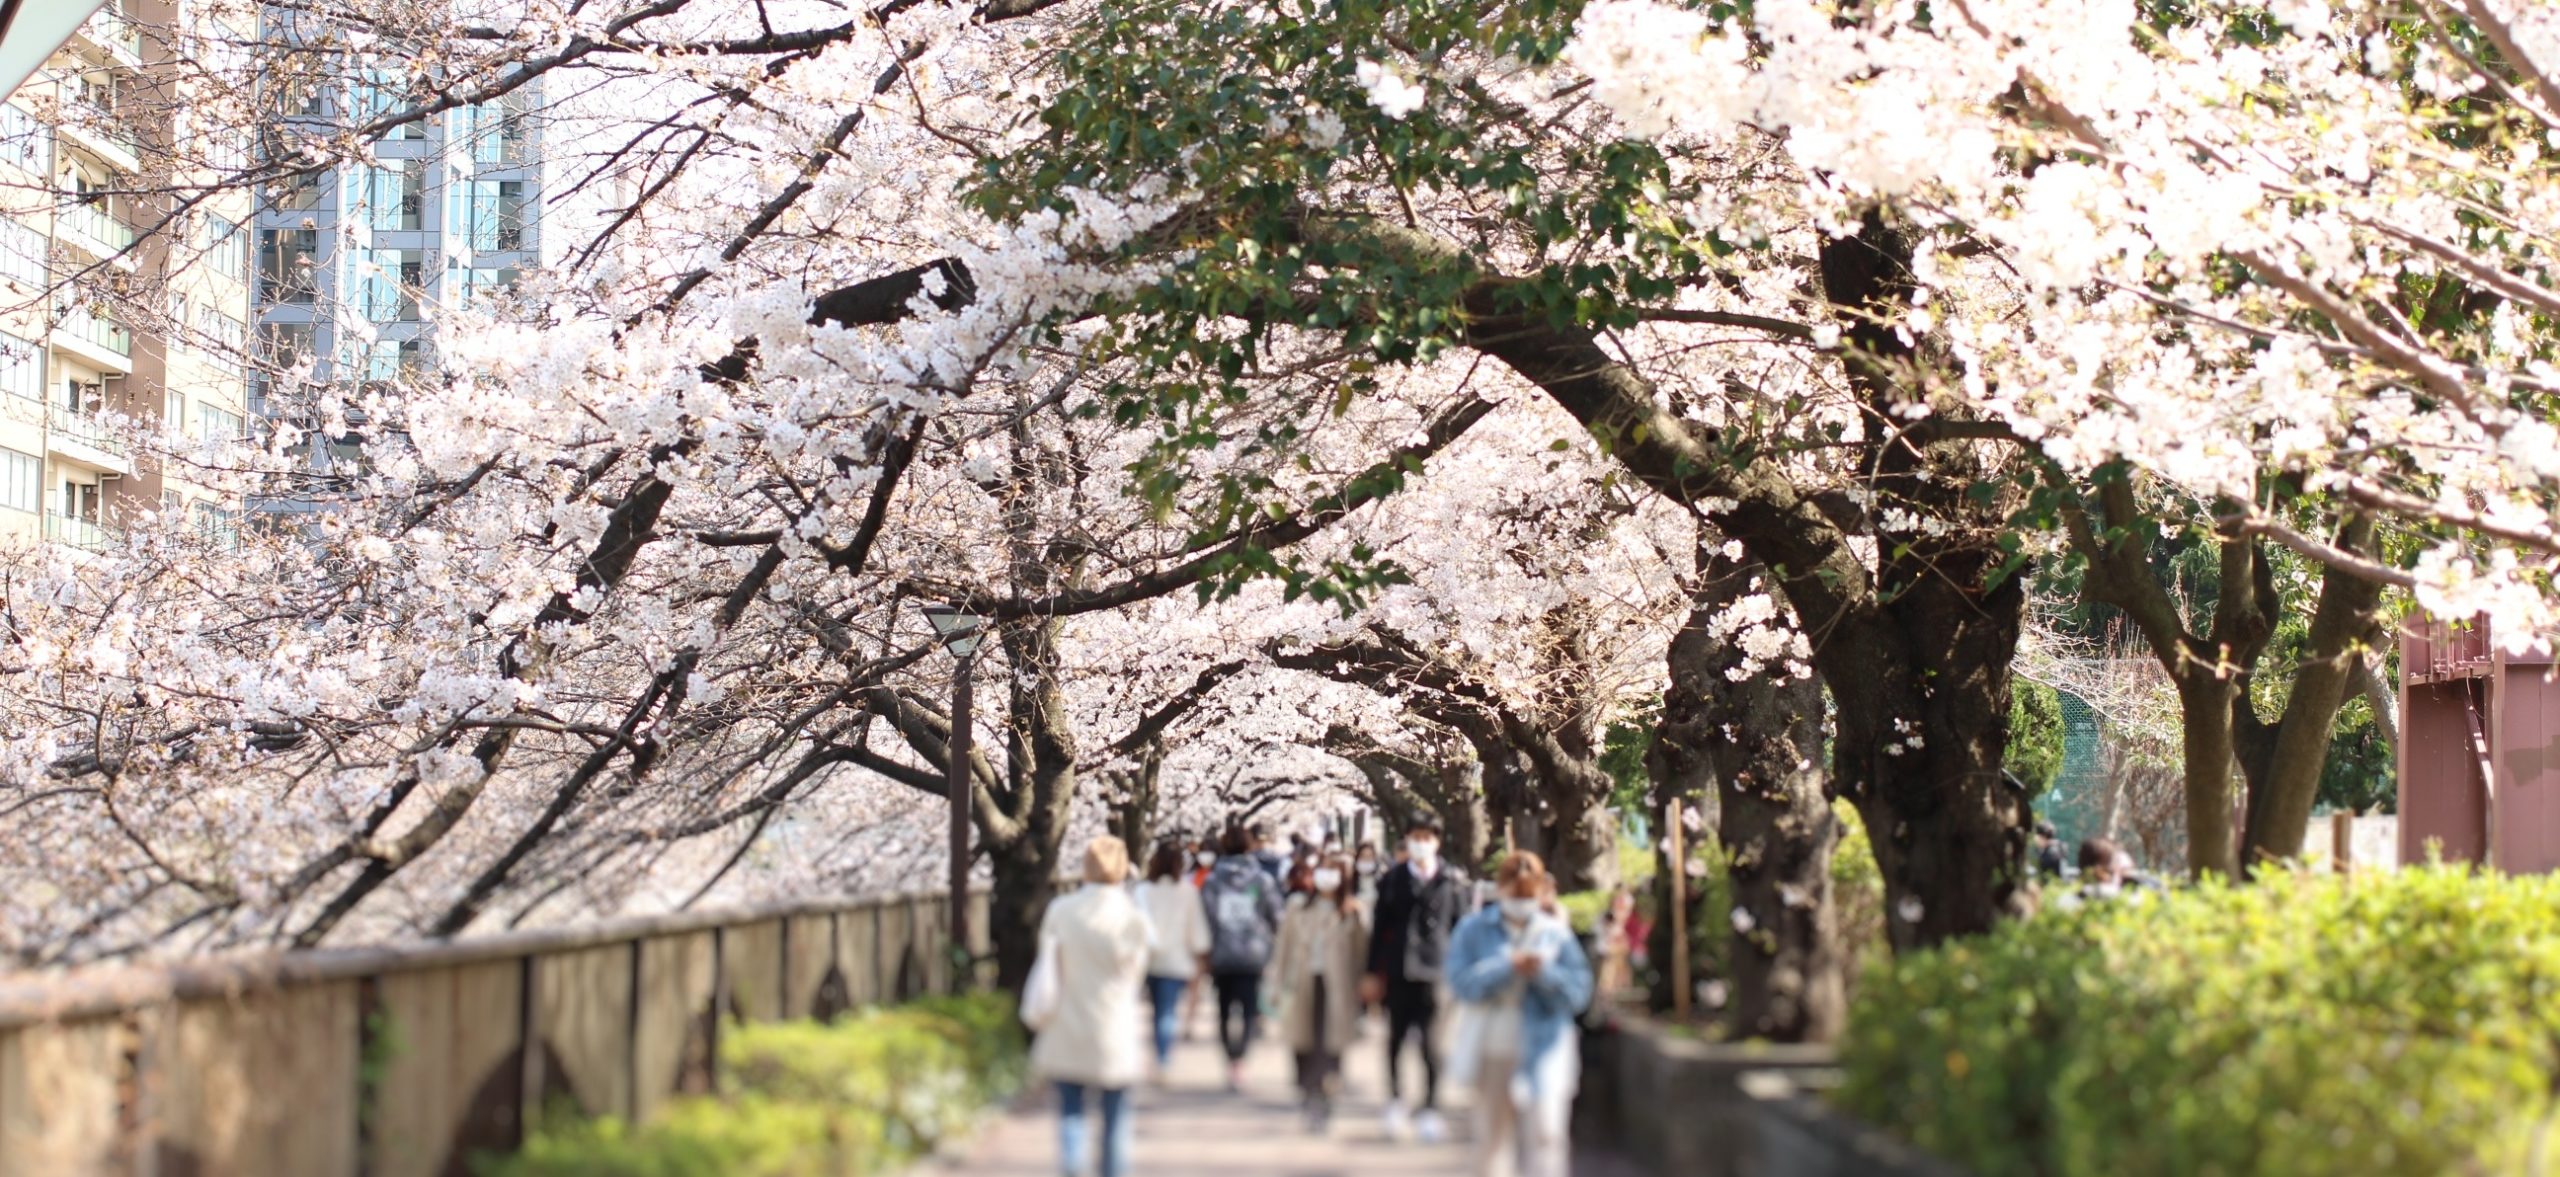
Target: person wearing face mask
x=1364 y=877
x=1418 y=903
x=1323 y=945
x=1521 y=978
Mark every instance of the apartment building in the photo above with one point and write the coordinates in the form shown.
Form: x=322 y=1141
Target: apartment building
x=113 y=351
x=353 y=265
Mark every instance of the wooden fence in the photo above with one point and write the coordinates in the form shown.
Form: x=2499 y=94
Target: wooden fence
x=404 y=1062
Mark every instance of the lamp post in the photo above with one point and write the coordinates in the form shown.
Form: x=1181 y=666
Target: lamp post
x=959 y=633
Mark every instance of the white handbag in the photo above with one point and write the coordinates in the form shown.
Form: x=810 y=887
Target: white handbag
x=1040 y=989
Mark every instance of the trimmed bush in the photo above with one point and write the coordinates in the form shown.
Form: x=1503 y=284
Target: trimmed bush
x=2404 y=1023
x=863 y=1094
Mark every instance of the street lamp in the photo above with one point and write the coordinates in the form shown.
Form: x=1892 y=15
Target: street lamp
x=960 y=633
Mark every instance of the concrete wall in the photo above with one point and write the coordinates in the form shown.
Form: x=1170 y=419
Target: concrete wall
x=404 y=1063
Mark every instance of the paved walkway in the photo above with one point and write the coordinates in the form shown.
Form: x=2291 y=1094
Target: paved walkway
x=1194 y=1128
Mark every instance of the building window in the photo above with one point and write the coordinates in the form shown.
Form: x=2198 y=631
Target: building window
x=21 y=481
x=391 y=278
x=226 y=247
x=492 y=214
x=394 y=192
x=173 y=412
x=223 y=336
x=286 y=261
x=22 y=252
x=298 y=193
x=215 y=423
x=389 y=359
x=473 y=284
x=24 y=142
x=21 y=367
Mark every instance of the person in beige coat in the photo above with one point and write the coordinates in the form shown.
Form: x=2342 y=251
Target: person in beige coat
x=1092 y=1042
x=1322 y=950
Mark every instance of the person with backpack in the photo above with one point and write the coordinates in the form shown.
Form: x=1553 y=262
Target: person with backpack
x=1419 y=903
x=1243 y=905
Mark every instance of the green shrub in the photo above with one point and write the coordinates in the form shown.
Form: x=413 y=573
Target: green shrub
x=862 y=1094
x=2404 y=1023
x=750 y=1136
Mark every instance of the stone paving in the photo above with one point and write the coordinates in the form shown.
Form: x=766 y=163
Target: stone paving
x=1195 y=1128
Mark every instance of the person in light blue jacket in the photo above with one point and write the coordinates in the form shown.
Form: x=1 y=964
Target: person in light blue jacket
x=1521 y=975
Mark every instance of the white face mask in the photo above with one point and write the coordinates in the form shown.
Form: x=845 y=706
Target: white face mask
x=1327 y=879
x=1518 y=910
x=1206 y=858
x=1367 y=867
x=1423 y=853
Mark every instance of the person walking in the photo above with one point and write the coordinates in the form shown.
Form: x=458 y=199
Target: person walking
x=1243 y=906
x=1364 y=876
x=1089 y=1046
x=1419 y=903
x=1323 y=946
x=1181 y=944
x=1522 y=979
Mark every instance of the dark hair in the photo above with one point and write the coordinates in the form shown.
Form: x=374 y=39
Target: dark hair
x=1302 y=877
x=1424 y=825
x=1346 y=896
x=1166 y=862
x=2044 y=829
x=1235 y=842
x=2098 y=852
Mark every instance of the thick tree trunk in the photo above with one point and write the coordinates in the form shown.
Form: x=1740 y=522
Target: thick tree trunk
x=1581 y=846
x=1025 y=879
x=2205 y=707
x=1923 y=697
x=1774 y=819
x=1465 y=822
x=2284 y=762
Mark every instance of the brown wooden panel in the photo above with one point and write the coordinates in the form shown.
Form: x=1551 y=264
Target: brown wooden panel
x=260 y=1085
x=808 y=958
x=752 y=968
x=582 y=1019
x=858 y=954
x=674 y=1043
x=452 y=1074
x=897 y=925
x=933 y=939
x=2440 y=799
x=59 y=1095
x=2528 y=765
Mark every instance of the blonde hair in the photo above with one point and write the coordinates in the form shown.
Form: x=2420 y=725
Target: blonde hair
x=1106 y=860
x=1522 y=870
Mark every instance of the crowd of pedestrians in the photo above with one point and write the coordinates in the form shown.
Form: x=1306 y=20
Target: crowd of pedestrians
x=1325 y=942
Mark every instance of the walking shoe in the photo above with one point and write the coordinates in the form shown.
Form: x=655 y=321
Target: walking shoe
x=1235 y=1078
x=1399 y=1125
x=1430 y=1127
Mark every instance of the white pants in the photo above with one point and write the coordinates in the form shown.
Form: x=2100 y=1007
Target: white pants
x=1532 y=1138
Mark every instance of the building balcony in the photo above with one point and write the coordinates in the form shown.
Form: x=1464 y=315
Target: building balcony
x=90 y=229
x=102 y=342
x=84 y=440
x=79 y=533
x=101 y=133
x=110 y=37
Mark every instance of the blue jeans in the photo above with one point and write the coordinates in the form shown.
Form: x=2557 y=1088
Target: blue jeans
x=1071 y=1130
x=1166 y=994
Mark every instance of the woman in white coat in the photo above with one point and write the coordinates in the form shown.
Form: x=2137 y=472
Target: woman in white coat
x=1181 y=945
x=1090 y=1047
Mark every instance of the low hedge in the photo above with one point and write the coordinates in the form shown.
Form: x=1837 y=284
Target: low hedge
x=862 y=1094
x=2404 y=1023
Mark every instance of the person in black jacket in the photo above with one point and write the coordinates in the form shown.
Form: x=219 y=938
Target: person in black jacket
x=1419 y=902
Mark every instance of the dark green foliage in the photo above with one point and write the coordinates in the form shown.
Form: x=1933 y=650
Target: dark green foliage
x=2404 y=1023
x=864 y=1094
x=2035 y=735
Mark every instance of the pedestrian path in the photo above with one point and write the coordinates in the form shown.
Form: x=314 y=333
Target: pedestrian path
x=1195 y=1128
